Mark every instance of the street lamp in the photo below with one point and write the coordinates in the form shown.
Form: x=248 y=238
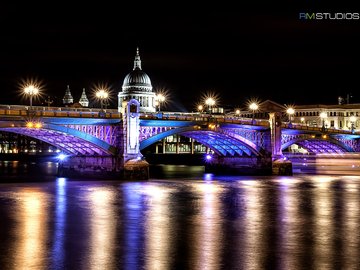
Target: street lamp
x=31 y=90
x=352 y=121
x=290 y=111
x=210 y=102
x=323 y=115
x=253 y=107
x=237 y=113
x=102 y=95
x=200 y=108
x=160 y=98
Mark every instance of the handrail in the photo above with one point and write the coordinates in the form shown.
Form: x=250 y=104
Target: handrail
x=47 y=111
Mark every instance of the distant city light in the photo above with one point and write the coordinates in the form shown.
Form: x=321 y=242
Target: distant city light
x=34 y=124
x=159 y=98
x=31 y=90
x=61 y=181
x=208 y=157
x=61 y=156
x=323 y=115
x=253 y=106
x=102 y=95
x=290 y=111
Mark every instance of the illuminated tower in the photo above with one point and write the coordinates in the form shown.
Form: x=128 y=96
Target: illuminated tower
x=137 y=85
x=68 y=99
x=84 y=101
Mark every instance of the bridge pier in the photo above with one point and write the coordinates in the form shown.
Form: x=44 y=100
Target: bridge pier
x=135 y=166
x=280 y=165
x=239 y=165
x=92 y=167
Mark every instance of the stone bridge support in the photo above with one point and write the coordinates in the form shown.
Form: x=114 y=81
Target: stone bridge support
x=128 y=163
x=109 y=167
x=280 y=166
x=135 y=166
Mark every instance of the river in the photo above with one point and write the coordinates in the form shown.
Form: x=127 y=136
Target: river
x=182 y=219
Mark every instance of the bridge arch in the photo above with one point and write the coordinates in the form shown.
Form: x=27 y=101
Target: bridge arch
x=319 y=145
x=69 y=140
x=221 y=143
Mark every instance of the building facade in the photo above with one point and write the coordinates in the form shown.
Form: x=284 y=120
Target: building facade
x=339 y=116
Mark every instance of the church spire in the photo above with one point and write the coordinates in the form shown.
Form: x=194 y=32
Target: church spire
x=68 y=99
x=84 y=101
x=137 y=61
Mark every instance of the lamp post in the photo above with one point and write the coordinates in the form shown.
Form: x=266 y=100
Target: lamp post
x=31 y=90
x=323 y=116
x=210 y=102
x=352 y=121
x=102 y=94
x=200 y=108
x=290 y=111
x=253 y=107
x=237 y=113
x=160 y=98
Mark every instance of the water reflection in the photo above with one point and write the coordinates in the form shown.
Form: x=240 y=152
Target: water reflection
x=300 y=222
x=253 y=241
x=208 y=234
x=158 y=236
x=31 y=229
x=58 y=251
x=102 y=227
x=349 y=238
x=134 y=209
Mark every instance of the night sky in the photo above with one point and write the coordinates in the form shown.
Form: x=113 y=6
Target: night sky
x=235 y=53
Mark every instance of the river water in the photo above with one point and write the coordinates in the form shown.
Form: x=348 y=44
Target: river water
x=184 y=220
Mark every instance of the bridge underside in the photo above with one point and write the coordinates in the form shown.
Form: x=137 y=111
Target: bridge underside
x=221 y=144
x=66 y=142
x=321 y=146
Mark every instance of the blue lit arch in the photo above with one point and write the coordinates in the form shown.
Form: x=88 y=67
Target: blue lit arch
x=220 y=143
x=328 y=145
x=68 y=140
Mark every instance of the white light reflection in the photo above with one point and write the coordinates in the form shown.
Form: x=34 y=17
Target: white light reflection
x=351 y=241
x=103 y=228
x=60 y=224
x=253 y=224
x=290 y=223
x=209 y=234
x=323 y=227
x=158 y=228
x=208 y=176
x=31 y=237
x=133 y=224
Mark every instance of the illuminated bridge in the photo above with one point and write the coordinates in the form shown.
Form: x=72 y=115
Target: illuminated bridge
x=106 y=141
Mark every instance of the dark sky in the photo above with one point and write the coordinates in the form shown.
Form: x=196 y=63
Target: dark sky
x=236 y=53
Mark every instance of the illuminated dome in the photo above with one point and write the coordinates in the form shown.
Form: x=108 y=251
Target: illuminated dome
x=137 y=85
x=137 y=80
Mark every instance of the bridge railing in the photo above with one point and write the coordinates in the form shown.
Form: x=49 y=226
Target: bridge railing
x=43 y=111
x=203 y=117
x=298 y=126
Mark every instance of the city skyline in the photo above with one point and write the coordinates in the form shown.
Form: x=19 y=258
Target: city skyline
x=235 y=55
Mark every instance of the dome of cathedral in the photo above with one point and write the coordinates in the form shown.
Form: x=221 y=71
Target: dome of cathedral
x=137 y=80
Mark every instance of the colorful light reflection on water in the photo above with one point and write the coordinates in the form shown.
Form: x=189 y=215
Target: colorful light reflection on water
x=297 y=222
